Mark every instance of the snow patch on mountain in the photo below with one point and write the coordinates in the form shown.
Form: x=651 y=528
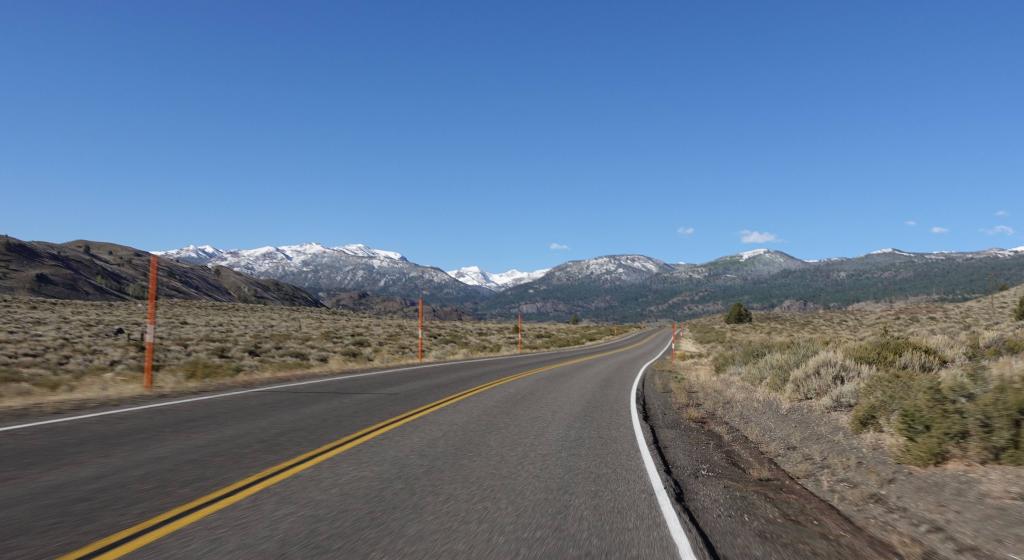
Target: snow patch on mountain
x=755 y=253
x=891 y=251
x=474 y=276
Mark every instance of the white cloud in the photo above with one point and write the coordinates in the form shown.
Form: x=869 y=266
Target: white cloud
x=749 y=236
x=558 y=247
x=910 y=223
x=685 y=230
x=939 y=229
x=1002 y=213
x=999 y=230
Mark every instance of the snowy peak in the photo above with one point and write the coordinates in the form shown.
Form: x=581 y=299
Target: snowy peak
x=891 y=251
x=755 y=253
x=513 y=277
x=207 y=254
x=760 y=255
x=192 y=254
x=360 y=250
x=609 y=269
x=474 y=276
x=759 y=262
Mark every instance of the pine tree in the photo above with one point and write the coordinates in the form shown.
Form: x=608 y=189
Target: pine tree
x=1019 y=312
x=574 y=320
x=738 y=314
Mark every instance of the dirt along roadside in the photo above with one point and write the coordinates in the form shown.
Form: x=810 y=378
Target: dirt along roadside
x=766 y=478
x=744 y=505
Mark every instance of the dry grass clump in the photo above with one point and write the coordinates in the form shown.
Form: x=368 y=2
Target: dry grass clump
x=56 y=347
x=947 y=379
x=828 y=375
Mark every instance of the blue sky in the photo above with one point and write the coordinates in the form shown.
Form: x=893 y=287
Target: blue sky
x=498 y=133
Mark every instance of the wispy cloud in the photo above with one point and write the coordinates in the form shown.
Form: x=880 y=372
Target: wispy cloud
x=750 y=236
x=939 y=229
x=910 y=223
x=1002 y=213
x=685 y=230
x=999 y=230
x=558 y=247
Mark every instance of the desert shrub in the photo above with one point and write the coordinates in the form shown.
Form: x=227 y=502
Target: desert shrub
x=360 y=342
x=738 y=314
x=995 y=423
x=138 y=291
x=198 y=369
x=773 y=370
x=996 y=345
x=296 y=354
x=740 y=355
x=1018 y=312
x=351 y=353
x=890 y=352
x=825 y=375
x=956 y=414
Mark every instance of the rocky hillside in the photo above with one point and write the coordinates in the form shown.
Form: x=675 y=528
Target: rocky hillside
x=90 y=270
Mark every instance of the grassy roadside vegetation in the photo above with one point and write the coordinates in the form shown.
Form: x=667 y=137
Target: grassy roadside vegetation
x=944 y=381
x=57 y=348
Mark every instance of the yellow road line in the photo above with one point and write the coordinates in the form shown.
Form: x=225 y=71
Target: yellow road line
x=137 y=536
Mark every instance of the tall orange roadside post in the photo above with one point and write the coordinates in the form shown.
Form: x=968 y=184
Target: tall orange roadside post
x=147 y=372
x=420 y=353
x=520 y=333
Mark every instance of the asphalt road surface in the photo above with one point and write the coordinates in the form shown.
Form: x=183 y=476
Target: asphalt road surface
x=543 y=464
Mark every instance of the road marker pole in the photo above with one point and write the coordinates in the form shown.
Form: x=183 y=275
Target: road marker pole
x=147 y=372
x=420 y=353
x=520 y=333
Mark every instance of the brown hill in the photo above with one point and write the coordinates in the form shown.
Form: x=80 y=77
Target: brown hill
x=97 y=271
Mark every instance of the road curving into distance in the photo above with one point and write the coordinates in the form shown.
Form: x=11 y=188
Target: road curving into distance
x=522 y=456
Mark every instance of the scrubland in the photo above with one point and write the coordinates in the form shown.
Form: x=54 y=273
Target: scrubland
x=907 y=416
x=52 y=349
x=946 y=380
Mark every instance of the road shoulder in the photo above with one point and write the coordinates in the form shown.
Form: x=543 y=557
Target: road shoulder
x=745 y=505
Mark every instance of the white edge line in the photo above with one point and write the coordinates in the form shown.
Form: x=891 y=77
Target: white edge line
x=299 y=383
x=675 y=528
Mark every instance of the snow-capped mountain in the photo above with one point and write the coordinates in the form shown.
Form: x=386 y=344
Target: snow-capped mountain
x=192 y=254
x=260 y=257
x=609 y=269
x=327 y=271
x=474 y=276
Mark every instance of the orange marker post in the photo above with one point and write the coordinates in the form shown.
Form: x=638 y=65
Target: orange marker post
x=421 y=330
x=520 y=333
x=147 y=373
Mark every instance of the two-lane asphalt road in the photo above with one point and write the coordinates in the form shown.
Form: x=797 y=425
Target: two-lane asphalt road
x=524 y=456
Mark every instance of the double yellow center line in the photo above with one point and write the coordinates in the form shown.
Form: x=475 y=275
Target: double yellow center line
x=135 y=537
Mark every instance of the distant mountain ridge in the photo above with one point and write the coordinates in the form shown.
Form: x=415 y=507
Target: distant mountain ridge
x=328 y=272
x=620 y=287
x=94 y=270
x=632 y=287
